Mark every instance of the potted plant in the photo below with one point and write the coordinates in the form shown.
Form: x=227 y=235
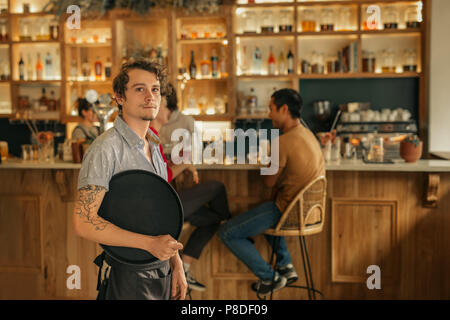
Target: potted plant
x=411 y=148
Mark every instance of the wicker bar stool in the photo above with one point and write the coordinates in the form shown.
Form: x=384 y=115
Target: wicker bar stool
x=304 y=216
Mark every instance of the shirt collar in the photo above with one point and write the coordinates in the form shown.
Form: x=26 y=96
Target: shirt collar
x=131 y=137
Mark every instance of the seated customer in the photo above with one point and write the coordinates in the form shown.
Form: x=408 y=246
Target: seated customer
x=86 y=129
x=205 y=205
x=300 y=161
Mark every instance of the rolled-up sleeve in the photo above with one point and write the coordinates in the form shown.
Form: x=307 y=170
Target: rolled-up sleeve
x=97 y=167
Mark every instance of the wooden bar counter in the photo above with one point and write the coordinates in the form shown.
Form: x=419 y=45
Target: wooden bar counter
x=395 y=216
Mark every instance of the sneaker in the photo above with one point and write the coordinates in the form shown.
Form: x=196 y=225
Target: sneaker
x=264 y=287
x=194 y=284
x=288 y=272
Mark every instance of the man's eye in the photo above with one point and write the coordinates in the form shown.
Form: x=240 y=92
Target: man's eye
x=155 y=89
x=140 y=89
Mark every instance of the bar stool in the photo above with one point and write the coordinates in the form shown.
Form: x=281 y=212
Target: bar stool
x=304 y=216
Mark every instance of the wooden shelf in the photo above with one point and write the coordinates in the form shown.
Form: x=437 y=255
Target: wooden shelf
x=30 y=14
x=89 y=45
x=266 y=35
x=200 y=41
x=357 y=75
x=264 y=77
x=328 y=33
x=36 y=81
x=206 y=79
x=264 y=5
x=36 y=42
x=81 y=82
x=5 y=81
x=252 y=117
x=213 y=117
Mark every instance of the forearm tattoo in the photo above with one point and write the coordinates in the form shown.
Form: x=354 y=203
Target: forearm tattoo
x=88 y=203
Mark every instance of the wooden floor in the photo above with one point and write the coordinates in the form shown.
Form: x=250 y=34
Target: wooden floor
x=373 y=218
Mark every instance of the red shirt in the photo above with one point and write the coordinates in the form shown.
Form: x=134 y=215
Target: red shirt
x=169 y=171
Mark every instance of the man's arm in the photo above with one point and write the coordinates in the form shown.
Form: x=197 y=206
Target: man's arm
x=89 y=225
x=179 y=168
x=271 y=180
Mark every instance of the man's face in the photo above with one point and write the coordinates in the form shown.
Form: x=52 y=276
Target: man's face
x=142 y=95
x=277 y=116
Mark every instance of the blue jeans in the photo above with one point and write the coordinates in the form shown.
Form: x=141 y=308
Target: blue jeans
x=235 y=232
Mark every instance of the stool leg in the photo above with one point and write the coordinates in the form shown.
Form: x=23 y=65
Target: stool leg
x=309 y=269
x=302 y=249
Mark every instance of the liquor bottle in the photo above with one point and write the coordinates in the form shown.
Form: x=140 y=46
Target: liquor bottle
x=281 y=63
x=43 y=101
x=21 y=69
x=98 y=69
x=39 y=68
x=290 y=62
x=271 y=62
x=108 y=66
x=73 y=70
x=223 y=63
x=191 y=101
x=159 y=56
x=192 y=66
x=214 y=64
x=204 y=66
x=48 y=74
x=257 y=61
x=52 y=102
x=29 y=69
x=252 y=101
x=86 y=69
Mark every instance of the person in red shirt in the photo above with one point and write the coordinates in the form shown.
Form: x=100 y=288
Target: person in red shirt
x=205 y=205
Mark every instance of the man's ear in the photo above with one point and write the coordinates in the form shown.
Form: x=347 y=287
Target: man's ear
x=118 y=99
x=284 y=109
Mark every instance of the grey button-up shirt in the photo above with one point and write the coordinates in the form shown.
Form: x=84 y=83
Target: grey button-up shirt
x=116 y=150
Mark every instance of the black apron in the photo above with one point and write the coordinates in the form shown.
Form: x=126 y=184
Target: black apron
x=141 y=202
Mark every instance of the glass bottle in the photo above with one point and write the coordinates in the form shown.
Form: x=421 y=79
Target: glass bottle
x=86 y=69
x=327 y=19
x=368 y=63
x=3 y=32
x=39 y=68
x=390 y=20
x=73 y=70
x=252 y=101
x=317 y=66
x=98 y=69
x=52 y=101
x=281 y=63
x=223 y=63
x=214 y=64
x=244 y=61
x=54 y=30
x=43 y=101
x=48 y=75
x=410 y=61
x=308 y=20
x=332 y=63
x=191 y=101
x=290 y=62
x=271 y=63
x=388 y=64
x=257 y=61
x=285 y=24
x=412 y=17
x=29 y=68
x=345 y=14
x=108 y=66
x=249 y=22
x=21 y=68
x=192 y=66
x=267 y=22
x=205 y=66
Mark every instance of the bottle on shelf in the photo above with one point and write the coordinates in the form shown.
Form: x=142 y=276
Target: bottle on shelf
x=73 y=70
x=98 y=69
x=108 y=66
x=48 y=67
x=252 y=102
x=271 y=63
x=191 y=103
x=214 y=64
x=257 y=61
x=244 y=61
x=290 y=62
x=52 y=104
x=86 y=69
x=281 y=63
x=192 y=66
x=29 y=68
x=204 y=66
x=43 y=101
x=39 y=68
x=159 y=56
x=21 y=68
x=3 y=33
x=223 y=63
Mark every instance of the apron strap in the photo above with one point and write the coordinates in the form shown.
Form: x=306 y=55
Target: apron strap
x=102 y=280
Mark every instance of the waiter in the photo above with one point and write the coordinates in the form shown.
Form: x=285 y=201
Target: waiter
x=129 y=145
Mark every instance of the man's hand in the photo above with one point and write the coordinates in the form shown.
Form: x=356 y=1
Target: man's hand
x=191 y=168
x=179 y=283
x=163 y=247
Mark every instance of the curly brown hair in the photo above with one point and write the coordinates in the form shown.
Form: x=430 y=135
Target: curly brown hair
x=159 y=70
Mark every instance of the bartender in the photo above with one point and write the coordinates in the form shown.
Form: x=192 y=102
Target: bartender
x=86 y=129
